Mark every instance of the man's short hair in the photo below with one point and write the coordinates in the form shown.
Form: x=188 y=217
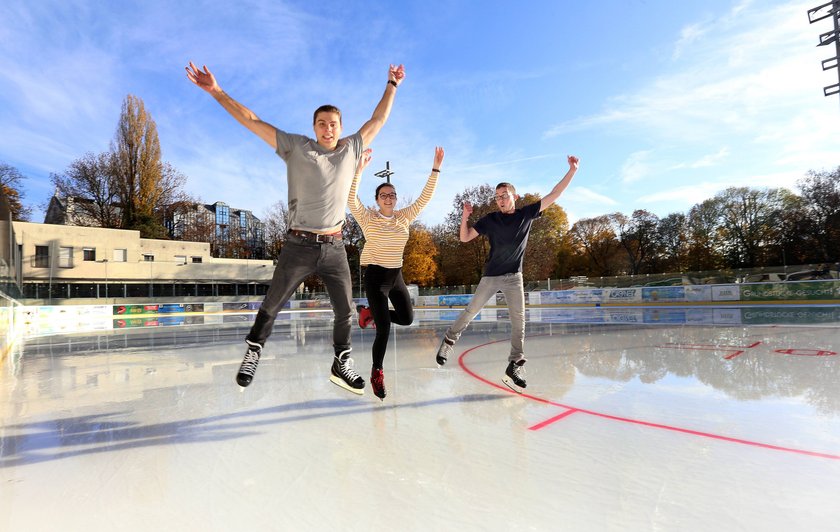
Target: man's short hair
x=326 y=109
x=507 y=185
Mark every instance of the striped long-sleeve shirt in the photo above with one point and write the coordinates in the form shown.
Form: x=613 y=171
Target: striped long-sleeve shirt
x=385 y=238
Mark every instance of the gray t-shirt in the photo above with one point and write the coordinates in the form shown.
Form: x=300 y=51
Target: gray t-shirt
x=319 y=179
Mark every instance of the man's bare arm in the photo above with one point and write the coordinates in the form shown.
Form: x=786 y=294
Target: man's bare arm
x=558 y=189
x=371 y=128
x=207 y=81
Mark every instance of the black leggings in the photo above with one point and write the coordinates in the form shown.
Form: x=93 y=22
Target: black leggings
x=382 y=284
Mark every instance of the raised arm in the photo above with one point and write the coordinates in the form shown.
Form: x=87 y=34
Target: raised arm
x=353 y=202
x=413 y=211
x=561 y=186
x=370 y=128
x=467 y=233
x=207 y=81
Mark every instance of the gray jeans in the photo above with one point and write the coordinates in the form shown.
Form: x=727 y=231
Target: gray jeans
x=298 y=259
x=511 y=286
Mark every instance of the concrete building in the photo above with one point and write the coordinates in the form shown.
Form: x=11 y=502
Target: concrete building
x=69 y=262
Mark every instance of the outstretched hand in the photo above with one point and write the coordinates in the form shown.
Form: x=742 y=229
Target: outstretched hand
x=396 y=74
x=468 y=209
x=204 y=79
x=438 y=157
x=573 y=162
x=363 y=161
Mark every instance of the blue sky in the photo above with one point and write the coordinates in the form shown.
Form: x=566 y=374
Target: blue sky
x=665 y=103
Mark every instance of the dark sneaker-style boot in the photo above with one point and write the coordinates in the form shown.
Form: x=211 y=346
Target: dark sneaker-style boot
x=515 y=376
x=445 y=350
x=365 y=316
x=344 y=375
x=249 y=364
x=377 y=382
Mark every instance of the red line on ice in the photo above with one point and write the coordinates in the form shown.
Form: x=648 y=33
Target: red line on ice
x=572 y=409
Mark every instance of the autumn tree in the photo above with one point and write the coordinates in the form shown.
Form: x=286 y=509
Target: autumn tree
x=145 y=184
x=544 y=240
x=129 y=186
x=462 y=263
x=11 y=183
x=672 y=242
x=637 y=236
x=595 y=239
x=192 y=221
x=419 y=265
x=705 y=242
x=89 y=182
x=820 y=192
x=276 y=221
x=748 y=223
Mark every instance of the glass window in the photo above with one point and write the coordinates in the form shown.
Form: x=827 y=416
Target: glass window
x=42 y=256
x=88 y=254
x=65 y=257
x=148 y=257
x=196 y=260
x=120 y=255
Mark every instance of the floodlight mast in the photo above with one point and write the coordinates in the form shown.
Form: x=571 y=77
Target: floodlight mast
x=387 y=173
x=829 y=9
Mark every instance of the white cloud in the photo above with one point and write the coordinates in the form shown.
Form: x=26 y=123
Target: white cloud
x=636 y=167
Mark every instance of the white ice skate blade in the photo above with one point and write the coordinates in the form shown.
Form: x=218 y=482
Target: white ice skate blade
x=341 y=384
x=509 y=383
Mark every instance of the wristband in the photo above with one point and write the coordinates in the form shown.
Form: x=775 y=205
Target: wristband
x=436 y=170
x=392 y=82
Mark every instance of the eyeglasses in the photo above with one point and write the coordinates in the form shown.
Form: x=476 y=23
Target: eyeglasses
x=392 y=195
x=502 y=197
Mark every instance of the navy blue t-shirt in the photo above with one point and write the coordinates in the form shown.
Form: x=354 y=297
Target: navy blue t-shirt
x=508 y=235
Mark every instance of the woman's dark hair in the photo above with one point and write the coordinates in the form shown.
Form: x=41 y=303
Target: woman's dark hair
x=376 y=194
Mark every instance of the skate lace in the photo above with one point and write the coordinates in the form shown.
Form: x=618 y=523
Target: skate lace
x=345 y=367
x=518 y=371
x=446 y=350
x=249 y=364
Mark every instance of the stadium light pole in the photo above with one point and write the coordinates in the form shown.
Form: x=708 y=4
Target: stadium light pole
x=822 y=12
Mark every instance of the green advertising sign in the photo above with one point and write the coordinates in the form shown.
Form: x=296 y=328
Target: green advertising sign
x=811 y=291
x=789 y=315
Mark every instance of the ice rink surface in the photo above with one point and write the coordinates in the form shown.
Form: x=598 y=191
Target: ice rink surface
x=626 y=424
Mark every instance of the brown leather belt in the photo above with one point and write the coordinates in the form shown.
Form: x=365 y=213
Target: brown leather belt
x=316 y=237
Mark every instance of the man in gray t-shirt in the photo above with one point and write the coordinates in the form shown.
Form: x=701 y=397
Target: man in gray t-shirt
x=319 y=172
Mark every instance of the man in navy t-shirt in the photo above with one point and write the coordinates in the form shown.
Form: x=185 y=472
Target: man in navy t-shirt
x=507 y=231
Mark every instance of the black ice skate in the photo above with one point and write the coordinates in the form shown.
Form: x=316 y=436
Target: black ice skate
x=344 y=375
x=445 y=350
x=249 y=364
x=514 y=376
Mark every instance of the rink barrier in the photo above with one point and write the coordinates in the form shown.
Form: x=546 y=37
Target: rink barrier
x=645 y=305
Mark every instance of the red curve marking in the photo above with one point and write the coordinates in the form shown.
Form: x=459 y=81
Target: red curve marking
x=572 y=410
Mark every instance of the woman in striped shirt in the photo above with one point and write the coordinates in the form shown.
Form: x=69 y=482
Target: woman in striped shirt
x=386 y=234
